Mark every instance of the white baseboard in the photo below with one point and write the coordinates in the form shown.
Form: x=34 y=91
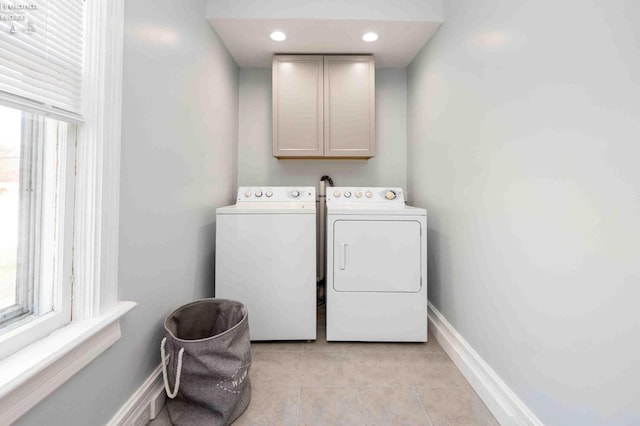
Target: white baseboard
x=145 y=403
x=503 y=403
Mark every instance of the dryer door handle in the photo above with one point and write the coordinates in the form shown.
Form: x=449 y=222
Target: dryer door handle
x=343 y=256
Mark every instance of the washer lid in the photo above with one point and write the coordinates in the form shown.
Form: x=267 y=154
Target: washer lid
x=273 y=208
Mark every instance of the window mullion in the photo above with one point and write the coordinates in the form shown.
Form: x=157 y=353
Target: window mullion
x=39 y=207
x=56 y=270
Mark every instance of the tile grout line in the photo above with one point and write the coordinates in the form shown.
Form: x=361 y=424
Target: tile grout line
x=299 y=374
x=424 y=409
x=299 y=406
x=360 y=406
x=310 y=386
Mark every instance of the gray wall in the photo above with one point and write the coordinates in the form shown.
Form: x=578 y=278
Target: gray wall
x=179 y=149
x=523 y=146
x=257 y=166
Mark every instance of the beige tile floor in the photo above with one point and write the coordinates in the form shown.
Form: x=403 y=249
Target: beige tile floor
x=327 y=383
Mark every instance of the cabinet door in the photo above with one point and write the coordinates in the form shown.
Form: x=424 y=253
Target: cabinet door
x=349 y=106
x=297 y=106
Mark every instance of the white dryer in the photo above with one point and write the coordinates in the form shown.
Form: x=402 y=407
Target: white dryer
x=266 y=259
x=376 y=266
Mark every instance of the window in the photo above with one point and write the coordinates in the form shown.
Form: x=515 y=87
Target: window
x=62 y=61
x=37 y=160
x=41 y=92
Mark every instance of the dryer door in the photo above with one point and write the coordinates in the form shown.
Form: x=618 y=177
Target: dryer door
x=377 y=256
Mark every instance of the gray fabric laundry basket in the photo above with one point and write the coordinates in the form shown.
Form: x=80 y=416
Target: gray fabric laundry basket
x=206 y=375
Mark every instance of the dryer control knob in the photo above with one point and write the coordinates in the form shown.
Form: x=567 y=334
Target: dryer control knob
x=336 y=194
x=295 y=194
x=347 y=194
x=369 y=194
x=390 y=195
x=247 y=194
x=269 y=194
x=258 y=193
x=358 y=194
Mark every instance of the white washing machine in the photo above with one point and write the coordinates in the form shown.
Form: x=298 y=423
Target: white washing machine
x=266 y=259
x=376 y=266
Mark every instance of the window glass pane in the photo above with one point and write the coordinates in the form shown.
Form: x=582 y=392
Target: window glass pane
x=36 y=214
x=10 y=137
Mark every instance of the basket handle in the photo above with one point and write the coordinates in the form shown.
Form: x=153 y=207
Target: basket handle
x=170 y=394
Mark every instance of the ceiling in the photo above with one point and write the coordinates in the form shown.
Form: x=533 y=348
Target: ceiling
x=248 y=39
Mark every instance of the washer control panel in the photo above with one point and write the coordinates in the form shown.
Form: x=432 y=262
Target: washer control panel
x=276 y=193
x=365 y=195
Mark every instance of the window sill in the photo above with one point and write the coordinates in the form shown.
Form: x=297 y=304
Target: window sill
x=32 y=373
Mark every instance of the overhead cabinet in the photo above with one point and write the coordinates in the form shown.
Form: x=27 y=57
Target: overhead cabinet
x=323 y=106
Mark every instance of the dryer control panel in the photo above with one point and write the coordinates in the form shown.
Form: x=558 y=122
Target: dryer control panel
x=276 y=194
x=365 y=195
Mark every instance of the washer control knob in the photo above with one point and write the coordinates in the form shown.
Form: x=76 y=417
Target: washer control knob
x=369 y=194
x=358 y=194
x=247 y=194
x=269 y=194
x=258 y=193
x=295 y=194
x=347 y=194
x=390 y=195
x=336 y=194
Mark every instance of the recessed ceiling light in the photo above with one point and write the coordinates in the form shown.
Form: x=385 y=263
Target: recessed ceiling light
x=370 y=37
x=278 y=36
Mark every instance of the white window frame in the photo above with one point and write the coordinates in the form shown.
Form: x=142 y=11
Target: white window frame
x=47 y=163
x=32 y=373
